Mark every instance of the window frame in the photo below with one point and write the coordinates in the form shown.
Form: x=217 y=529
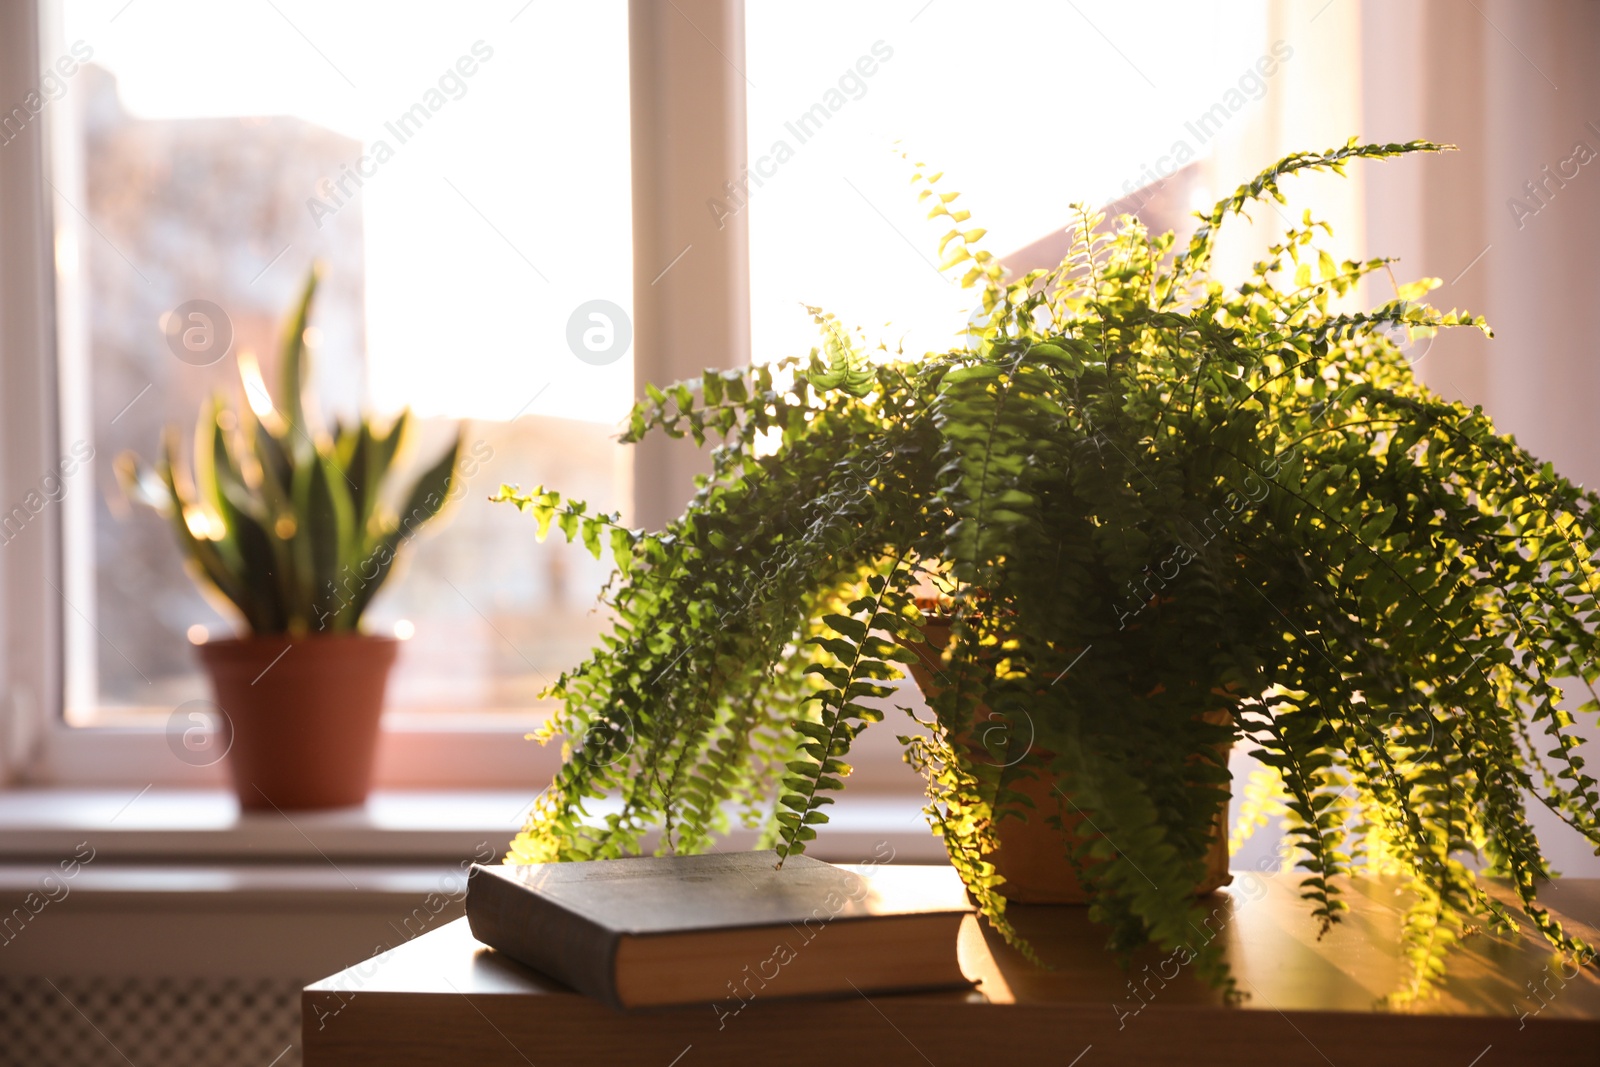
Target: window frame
x=30 y=562
x=37 y=746
x=672 y=92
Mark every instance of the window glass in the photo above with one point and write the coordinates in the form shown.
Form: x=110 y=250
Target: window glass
x=462 y=172
x=1026 y=106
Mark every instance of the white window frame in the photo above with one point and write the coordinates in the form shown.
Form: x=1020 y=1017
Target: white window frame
x=686 y=63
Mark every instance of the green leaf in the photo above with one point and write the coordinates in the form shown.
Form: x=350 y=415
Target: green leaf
x=294 y=371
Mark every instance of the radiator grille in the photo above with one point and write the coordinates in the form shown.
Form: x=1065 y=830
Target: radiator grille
x=149 y=1022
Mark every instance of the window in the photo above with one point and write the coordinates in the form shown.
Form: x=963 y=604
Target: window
x=465 y=177
x=463 y=174
x=1027 y=106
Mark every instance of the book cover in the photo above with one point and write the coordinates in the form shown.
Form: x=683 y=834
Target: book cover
x=663 y=930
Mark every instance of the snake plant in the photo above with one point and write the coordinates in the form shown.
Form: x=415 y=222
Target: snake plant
x=293 y=524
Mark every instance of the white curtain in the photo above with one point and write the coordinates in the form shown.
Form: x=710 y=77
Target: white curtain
x=1510 y=223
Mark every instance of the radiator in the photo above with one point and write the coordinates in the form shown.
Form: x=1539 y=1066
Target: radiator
x=91 y=1021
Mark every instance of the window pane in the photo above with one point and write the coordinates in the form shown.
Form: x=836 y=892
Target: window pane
x=463 y=173
x=1026 y=106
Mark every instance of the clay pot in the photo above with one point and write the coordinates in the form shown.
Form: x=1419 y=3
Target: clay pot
x=303 y=712
x=1032 y=854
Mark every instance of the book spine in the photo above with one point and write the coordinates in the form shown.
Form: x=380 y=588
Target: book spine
x=532 y=929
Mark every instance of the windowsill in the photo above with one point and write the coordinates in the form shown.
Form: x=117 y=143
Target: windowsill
x=182 y=824
x=414 y=752
x=229 y=886
x=432 y=754
x=163 y=826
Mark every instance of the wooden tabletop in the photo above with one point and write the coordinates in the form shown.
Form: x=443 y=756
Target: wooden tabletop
x=444 y=998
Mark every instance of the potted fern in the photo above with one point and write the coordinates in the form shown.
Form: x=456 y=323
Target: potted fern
x=293 y=528
x=1147 y=516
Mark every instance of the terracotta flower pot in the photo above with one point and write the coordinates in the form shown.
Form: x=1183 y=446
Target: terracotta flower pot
x=303 y=712
x=1032 y=854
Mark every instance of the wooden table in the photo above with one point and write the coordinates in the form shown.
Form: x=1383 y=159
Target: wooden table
x=443 y=998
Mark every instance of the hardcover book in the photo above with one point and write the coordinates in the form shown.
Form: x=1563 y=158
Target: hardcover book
x=722 y=929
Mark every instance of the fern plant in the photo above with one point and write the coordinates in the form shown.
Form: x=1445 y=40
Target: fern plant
x=293 y=526
x=1146 y=499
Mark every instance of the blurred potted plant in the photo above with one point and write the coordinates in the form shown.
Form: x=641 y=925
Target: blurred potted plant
x=293 y=527
x=1149 y=514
